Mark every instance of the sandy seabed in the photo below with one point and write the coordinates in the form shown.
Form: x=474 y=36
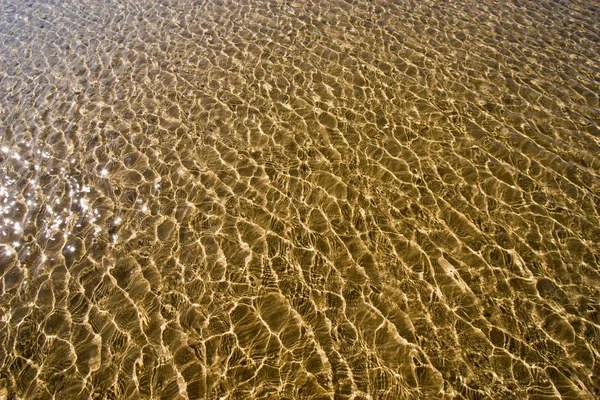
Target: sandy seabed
x=300 y=200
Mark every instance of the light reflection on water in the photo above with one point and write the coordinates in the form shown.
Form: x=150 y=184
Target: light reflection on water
x=299 y=200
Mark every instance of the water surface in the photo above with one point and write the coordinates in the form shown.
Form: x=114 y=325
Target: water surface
x=300 y=200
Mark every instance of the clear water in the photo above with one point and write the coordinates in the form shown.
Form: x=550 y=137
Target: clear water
x=300 y=200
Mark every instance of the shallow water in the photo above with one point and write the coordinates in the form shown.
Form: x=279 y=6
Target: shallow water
x=294 y=200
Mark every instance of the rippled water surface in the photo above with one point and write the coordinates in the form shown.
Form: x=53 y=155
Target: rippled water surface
x=300 y=200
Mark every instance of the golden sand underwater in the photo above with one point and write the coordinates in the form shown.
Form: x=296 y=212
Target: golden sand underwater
x=300 y=199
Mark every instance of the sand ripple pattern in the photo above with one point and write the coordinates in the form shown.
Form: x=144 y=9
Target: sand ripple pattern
x=300 y=200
